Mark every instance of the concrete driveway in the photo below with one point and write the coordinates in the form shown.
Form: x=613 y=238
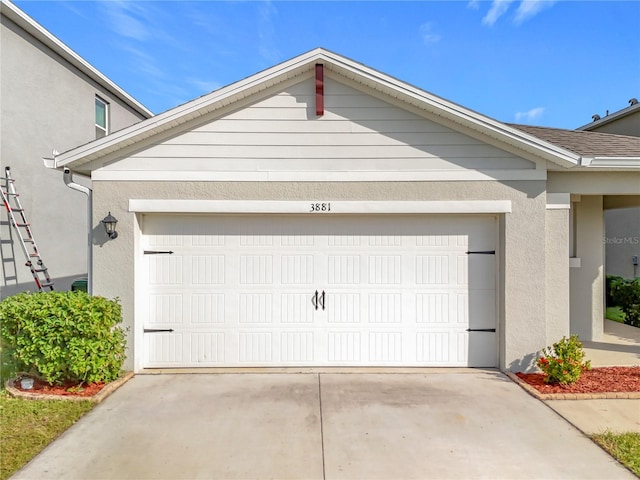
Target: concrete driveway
x=459 y=424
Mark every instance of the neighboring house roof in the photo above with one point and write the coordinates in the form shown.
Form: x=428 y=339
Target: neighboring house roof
x=29 y=25
x=631 y=109
x=589 y=144
x=434 y=107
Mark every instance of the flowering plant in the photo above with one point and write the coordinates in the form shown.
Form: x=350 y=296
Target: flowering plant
x=563 y=362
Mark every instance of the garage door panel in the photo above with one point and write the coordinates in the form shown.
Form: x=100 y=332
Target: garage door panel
x=255 y=308
x=297 y=269
x=166 y=309
x=241 y=290
x=165 y=270
x=297 y=347
x=481 y=349
x=164 y=349
x=385 y=347
x=296 y=308
x=481 y=309
x=207 y=308
x=344 y=347
x=343 y=307
x=207 y=348
x=255 y=348
x=385 y=308
x=480 y=268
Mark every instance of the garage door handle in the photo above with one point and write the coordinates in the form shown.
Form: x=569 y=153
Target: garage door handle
x=314 y=300
x=158 y=330
x=322 y=300
x=481 y=330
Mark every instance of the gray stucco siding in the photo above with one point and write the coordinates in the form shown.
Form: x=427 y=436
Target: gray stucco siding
x=47 y=104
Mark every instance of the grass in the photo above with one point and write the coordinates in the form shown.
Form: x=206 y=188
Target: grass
x=624 y=447
x=615 y=314
x=30 y=425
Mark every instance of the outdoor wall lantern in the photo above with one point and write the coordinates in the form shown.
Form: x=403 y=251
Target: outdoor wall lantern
x=109 y=223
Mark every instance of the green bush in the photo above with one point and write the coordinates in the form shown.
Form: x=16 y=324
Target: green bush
x=562 y=362
x=64 y=336
x=610 y=282
x=626 y=295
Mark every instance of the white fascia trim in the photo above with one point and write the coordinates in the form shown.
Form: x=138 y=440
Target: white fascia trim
x=558 y=201
x=302 y=176
x=611 y=162
x=36 y=30
x=305 y=207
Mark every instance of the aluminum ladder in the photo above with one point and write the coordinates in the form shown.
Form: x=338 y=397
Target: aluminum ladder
x=18 y=220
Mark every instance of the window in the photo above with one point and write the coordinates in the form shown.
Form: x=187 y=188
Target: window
x=102 y=118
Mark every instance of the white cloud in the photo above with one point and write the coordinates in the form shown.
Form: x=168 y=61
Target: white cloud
x=122 y=16
x=531 y=115
x=526 y=9
x=428 y=35
x=530 y=8
x=474 y=4
x=498 y=8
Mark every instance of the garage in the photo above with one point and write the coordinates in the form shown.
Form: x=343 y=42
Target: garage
x=317 y=290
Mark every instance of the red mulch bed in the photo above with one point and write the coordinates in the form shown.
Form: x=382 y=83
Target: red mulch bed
x=596 y=380
x=67 y=390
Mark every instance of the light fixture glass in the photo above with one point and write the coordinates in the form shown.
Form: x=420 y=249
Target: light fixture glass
x=109 y=223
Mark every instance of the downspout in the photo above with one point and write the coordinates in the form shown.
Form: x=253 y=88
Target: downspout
x=68 y=180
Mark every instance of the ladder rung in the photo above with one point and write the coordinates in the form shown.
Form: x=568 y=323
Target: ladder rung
x=40 y=269
x=23 y=224
x=32 y=255
x=48 y=284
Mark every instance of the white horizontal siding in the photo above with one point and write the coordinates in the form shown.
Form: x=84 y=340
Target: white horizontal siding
x=358 y=132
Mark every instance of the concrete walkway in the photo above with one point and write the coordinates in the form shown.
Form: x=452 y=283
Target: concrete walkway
x=620 y=346
x=467 y=424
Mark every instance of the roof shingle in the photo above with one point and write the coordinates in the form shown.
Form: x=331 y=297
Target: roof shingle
x=587 y=144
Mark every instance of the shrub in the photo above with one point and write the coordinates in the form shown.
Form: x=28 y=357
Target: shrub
x=562 y=362
x=64 y=336
x=626 y=295
x=610 y=282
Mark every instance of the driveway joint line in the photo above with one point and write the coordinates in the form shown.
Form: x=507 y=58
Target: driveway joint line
x=324 y=472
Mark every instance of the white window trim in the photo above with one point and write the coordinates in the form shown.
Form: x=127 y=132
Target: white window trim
x=105 y=129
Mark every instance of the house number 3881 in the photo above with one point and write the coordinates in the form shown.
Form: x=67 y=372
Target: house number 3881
x=320 y=207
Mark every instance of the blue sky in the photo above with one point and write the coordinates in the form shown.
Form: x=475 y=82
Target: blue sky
x=539 y=62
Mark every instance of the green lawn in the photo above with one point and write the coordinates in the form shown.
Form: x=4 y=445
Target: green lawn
x=615 y=314
x=30 y=425
x=624 y=447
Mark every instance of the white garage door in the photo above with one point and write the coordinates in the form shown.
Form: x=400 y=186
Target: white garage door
x=287 y=290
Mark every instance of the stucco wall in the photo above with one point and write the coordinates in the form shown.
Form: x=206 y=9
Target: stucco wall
x=522 y=253
x=46 y=104
x=587 y=280
x=557 y=266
